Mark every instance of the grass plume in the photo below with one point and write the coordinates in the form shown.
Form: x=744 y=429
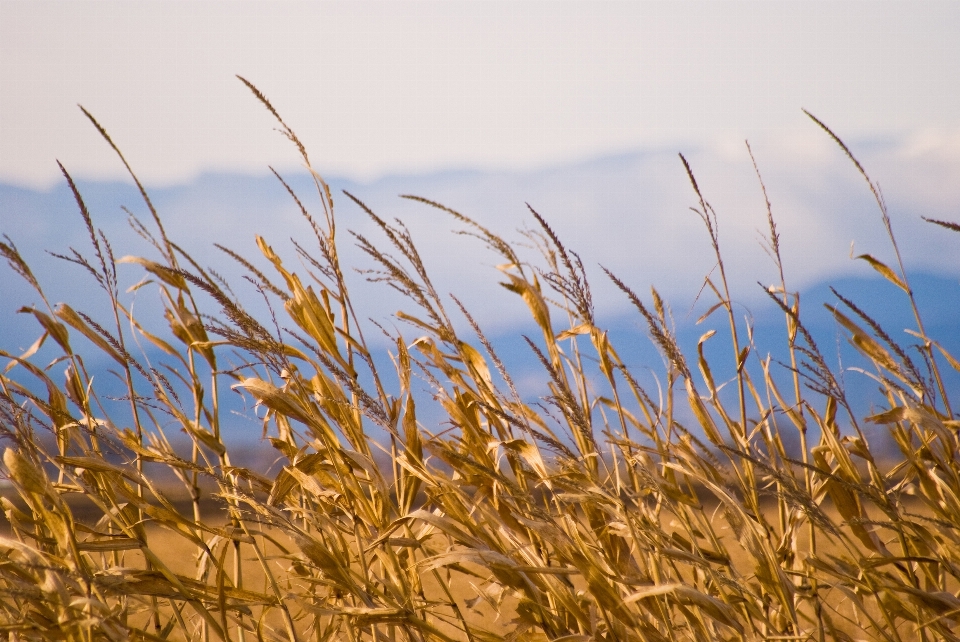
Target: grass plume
x=600 y=512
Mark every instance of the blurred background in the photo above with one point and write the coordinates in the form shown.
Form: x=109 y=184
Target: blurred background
x=578 y=109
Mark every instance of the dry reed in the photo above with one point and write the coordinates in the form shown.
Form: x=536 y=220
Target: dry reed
x=593 y=515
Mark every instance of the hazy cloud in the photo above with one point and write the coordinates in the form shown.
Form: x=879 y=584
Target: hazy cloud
x=630 y=213
x=414 y=87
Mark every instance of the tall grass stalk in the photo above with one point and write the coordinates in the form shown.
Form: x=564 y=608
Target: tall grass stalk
x=599 y=512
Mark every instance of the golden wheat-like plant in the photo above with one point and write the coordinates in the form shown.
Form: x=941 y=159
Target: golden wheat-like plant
x=599 y=513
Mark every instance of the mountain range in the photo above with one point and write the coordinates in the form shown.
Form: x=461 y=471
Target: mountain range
x=629 y=213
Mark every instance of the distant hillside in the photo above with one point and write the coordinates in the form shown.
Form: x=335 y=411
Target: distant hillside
x=629 y=213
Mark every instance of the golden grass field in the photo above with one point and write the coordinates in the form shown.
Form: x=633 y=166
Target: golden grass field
x=602 y=511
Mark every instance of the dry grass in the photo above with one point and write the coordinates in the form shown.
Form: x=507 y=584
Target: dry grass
x=593 y=515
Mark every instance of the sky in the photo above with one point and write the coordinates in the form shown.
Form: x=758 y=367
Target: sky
x=577 y=108
x=414 y=87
